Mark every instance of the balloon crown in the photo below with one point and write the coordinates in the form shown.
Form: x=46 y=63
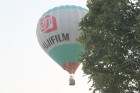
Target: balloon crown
x=65 y=7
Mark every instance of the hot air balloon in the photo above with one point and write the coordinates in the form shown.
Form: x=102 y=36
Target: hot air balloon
x=57 y=33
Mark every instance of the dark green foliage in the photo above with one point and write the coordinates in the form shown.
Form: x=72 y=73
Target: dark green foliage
x=111 y=37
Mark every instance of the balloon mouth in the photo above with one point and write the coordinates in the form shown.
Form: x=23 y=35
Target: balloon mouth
x=70 y=67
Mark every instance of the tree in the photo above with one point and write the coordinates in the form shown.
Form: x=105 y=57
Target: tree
x=111 y=37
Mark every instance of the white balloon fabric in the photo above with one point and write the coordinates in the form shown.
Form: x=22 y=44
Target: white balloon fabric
x=57 y=33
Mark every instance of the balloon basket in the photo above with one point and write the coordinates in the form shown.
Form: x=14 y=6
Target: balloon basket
x=71 y=80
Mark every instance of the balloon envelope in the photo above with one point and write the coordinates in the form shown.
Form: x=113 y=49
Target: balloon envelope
x=57 y=31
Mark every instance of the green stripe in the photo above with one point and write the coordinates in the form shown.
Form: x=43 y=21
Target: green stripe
x=66 y=7
x=66 y=53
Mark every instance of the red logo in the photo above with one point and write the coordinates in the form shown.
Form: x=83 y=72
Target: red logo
x=48 y=24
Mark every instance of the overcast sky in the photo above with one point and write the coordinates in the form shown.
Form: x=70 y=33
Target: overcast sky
x=24 y=66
